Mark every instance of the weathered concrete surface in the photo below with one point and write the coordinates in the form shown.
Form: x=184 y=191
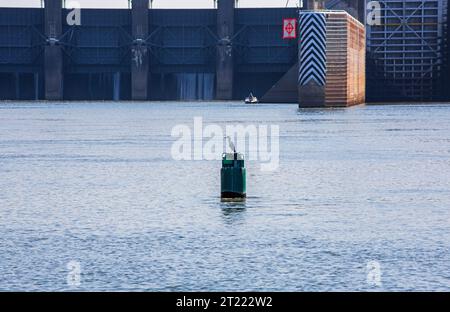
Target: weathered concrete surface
x=346 y=61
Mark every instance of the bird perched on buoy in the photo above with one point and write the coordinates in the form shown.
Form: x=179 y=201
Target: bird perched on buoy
x=231 y=144
x=233 y=175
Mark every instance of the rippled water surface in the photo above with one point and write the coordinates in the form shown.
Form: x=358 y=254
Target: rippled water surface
x=95 y=183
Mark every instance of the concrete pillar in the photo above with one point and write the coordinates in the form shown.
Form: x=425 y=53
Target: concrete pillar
x=116 y=86
x=139 y=52
x=224 y=61
x=53 y=58
x=331 y=60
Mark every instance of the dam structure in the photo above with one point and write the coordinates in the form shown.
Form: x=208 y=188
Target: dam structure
x=223 y=53
x=142 y=53
x=407 y=50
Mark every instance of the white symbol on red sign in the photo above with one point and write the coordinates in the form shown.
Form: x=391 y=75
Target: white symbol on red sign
x=289 y=28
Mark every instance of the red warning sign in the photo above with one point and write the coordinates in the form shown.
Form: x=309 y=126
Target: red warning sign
x=289 y=28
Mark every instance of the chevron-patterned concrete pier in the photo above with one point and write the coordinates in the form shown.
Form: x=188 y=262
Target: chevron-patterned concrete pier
x=331 y=60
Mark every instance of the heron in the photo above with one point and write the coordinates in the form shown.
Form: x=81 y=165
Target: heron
x=231 y=144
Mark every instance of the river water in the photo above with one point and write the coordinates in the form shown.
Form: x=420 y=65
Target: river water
x=91 y=199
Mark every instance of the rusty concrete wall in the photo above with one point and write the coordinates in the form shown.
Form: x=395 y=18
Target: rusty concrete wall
x=356 y=60
x=337 y=42
x=346 y=54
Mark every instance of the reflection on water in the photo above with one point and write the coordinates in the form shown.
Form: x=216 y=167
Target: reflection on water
x=233 y=211
x=95 y=184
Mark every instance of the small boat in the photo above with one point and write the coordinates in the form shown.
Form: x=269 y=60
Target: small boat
x=251 y=99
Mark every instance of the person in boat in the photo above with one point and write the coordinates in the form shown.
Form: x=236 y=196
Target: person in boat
x=251 y=99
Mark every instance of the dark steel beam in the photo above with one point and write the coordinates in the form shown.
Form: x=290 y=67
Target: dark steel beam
x=53 y=57
x=225 y=61
x=139 y=51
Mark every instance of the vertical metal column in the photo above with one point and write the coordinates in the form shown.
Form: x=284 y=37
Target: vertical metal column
x=224 y=61
x=139 y=51
x=53 y=58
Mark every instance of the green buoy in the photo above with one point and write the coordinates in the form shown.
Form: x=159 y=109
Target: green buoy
x=233 y=177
